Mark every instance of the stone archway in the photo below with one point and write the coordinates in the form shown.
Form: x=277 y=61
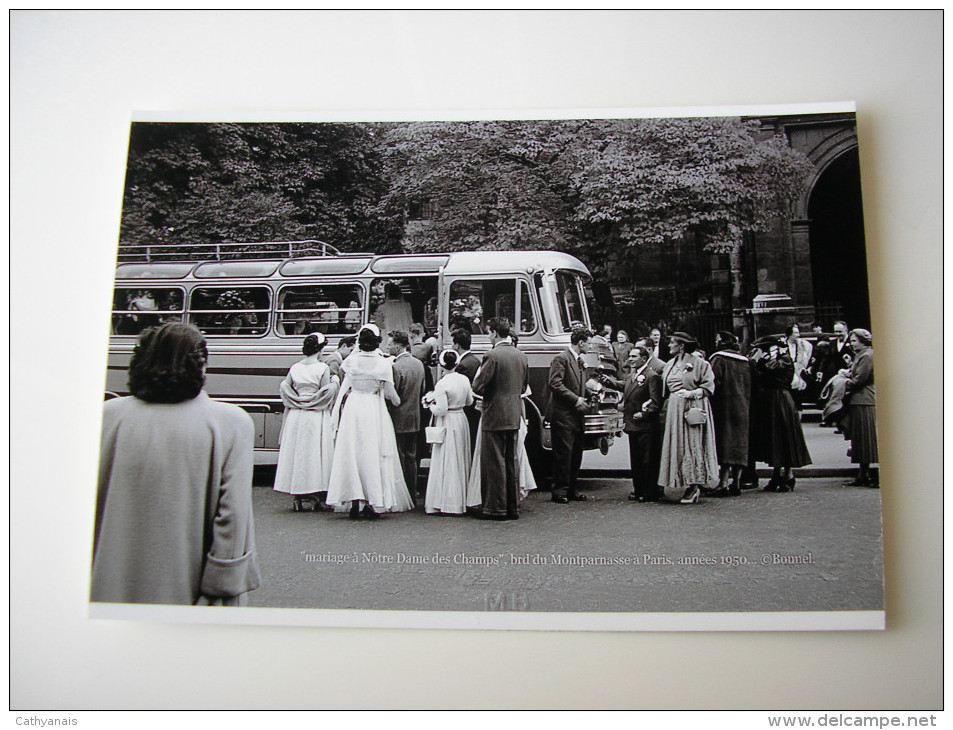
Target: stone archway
x=834 y=212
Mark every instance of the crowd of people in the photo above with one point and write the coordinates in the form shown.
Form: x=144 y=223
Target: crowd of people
x=378 y=406
x=698 y=425
x=176 y=466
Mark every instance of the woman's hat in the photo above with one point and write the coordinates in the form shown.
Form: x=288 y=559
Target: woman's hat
x=373 y=328
x=444 y=356
x=683 y=337
x=863 y=335
x=767 y=341
x=319 y=336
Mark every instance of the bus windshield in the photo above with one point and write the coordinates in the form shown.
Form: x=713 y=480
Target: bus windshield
x=565 y=306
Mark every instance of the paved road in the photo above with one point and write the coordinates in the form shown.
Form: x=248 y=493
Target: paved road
x=827 y=539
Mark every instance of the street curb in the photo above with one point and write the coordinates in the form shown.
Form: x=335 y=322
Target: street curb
x=819 y=473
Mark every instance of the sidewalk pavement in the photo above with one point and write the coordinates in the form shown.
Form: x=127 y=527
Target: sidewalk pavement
x=828 y=454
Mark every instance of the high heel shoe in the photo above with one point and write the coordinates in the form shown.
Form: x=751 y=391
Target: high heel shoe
x=355 y=513
x=786 y=485
x=734 y=488
x=691 y=497
x=297 y=505
x=772 y=486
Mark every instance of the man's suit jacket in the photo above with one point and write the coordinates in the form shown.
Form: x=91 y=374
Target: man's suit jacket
x=663 y=352
x=567 y=383
x=409 y=384
x=333 y=360
x=641 y=393
x=841 y=358
x=656 y=364
x=468 y=366
x=501 y=381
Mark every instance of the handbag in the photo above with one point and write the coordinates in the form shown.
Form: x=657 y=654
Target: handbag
x=435 y=434
x=695 y=416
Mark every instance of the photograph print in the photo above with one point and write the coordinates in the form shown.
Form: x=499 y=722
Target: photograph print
x=591 y=373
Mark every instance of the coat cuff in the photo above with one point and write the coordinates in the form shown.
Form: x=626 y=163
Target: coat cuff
x=223 y=578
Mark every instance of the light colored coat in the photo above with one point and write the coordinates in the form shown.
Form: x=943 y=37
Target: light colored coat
x=174 y=510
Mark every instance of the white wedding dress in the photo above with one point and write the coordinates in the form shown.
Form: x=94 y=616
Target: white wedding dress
x=366 y=465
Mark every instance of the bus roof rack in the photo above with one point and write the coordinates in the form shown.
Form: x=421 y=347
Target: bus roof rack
x=154 y=252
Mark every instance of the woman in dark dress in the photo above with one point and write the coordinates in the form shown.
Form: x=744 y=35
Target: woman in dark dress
x=861 y=422
x=780 y=440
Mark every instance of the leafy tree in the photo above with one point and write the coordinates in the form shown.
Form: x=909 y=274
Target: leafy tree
x=576 y=185
x=191 y=183
x=580 y=185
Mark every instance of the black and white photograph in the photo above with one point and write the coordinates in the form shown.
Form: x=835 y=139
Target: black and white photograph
x=347 y=357
x=476 y=359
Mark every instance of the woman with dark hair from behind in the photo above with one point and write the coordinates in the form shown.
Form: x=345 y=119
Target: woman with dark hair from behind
x=450 y=459
x=306 y=442
x=366 y=471
x=174 y=509
x=861 y=421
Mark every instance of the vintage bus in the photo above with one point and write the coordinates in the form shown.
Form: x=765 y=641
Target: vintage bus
x=256 y=306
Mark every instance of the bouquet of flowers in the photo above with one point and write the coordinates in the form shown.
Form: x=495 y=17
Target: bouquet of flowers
x=230 y=299
x=467 y=312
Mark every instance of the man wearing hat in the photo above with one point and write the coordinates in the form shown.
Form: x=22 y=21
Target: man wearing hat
x=566 y=414
x=730 y=406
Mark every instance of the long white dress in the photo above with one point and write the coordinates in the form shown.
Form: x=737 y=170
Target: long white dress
x=450 y=461
x=306 y=443
x=366 y=465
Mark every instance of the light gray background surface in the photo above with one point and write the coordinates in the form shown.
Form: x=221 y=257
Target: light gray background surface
x=76 y=77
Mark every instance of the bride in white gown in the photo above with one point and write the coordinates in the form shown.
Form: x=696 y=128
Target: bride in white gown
x=365 y=471
x=450 y=460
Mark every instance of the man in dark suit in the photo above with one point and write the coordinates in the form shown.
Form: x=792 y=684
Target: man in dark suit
x=841 y=354
x=641 y=403
x=467 y=362
x=409 y=384
x=840 y=358
x=659 y=345
x=467 y=365
x=501 y=381
x=566 y=411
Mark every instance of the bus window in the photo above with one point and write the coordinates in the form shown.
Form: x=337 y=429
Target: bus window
x=136 y=309
x=332 y=309
x=230 y=311
x=563 y=301
x=473 y=302
x=397 y=303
